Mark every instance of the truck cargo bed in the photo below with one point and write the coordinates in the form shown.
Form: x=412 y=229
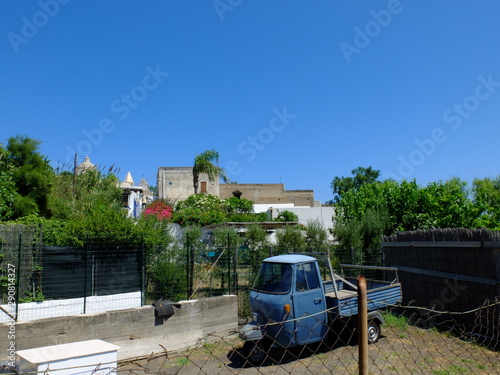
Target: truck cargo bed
x=342 y=296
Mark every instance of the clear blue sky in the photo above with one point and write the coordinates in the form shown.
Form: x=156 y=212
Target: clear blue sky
x=291 y=91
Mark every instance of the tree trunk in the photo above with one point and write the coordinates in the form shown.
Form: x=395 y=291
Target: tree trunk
x=195 y=184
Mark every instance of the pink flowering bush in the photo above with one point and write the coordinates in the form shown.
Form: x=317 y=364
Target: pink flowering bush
x=159 y=210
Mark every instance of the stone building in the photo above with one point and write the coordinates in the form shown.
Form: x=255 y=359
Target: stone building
x=269 y=194
x=85 y=166
x=176 y=184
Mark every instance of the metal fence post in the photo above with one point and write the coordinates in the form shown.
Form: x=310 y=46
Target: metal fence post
x=142 y=270
x=187 y=268
x=85 y=268
x=228 y=264
x=362 y=326
x=235 y=269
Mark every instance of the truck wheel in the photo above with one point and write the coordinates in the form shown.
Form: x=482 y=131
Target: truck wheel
x=373 y=332
x=255 y=352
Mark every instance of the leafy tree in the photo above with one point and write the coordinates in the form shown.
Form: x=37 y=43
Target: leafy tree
x=204 y=163
x=91 y=205
x=192 y=235
x=239 y=206
x=360 y=176
x=32 y=176
x=8 y=192
x=290 y=239
x=256 y=247
x=154 y=230
x=447 y=205
x=360 y=238
x=486 y=194
x=373 y=210
x=225 y=236
x=316 y=236
x=77 y=198
x=410 y=207
x=241 y=210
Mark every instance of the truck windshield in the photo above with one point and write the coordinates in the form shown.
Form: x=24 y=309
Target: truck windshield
x=273 y=278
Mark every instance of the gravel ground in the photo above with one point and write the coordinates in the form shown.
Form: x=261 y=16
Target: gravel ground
x=408 y=350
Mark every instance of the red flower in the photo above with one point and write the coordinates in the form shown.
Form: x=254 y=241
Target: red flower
x=160 y=210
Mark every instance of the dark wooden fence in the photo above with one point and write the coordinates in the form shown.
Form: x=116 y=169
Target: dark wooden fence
x=455 y=270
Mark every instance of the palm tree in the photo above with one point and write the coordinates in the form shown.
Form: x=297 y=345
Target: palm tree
x=204 y=163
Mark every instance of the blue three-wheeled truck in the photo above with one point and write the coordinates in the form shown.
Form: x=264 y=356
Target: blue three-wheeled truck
x=293 y=304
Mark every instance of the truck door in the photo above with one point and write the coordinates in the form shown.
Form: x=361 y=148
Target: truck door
x=309 y=300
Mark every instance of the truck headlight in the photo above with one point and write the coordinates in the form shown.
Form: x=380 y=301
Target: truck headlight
x=255 y=317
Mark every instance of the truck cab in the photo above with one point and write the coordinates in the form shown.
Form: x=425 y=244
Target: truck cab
x=288 y=287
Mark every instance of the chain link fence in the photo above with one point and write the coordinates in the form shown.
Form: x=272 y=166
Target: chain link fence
x=413 y=341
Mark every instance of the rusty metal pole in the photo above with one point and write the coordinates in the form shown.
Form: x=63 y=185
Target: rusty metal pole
x=362 y=326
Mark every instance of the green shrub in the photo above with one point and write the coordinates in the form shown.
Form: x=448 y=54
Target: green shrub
x=167 y=280
x=197 y=216
x=287 y=216
x=239 y=206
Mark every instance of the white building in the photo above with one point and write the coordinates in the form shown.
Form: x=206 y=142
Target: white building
x=322 y=214
x=133 y=197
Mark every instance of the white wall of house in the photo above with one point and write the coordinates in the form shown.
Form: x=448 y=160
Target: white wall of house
x=258 y=208
x=323 y=215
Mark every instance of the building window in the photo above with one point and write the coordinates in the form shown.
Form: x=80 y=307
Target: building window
x=125 y=199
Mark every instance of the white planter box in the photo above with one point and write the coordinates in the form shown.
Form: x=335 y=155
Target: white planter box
x=85 y=357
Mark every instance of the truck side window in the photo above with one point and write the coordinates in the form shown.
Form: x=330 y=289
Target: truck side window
x=307 y=277
x=300 y=282
x=312 y=275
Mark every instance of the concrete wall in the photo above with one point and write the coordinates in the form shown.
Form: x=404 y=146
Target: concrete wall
x=269 y=193
x=137 y=331
x=176 y=183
